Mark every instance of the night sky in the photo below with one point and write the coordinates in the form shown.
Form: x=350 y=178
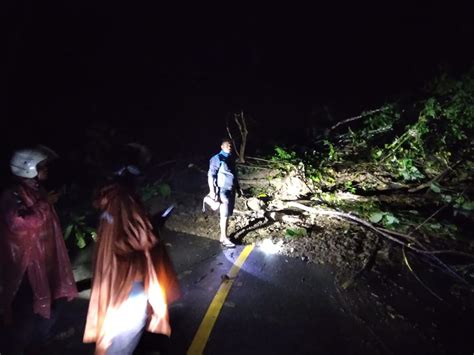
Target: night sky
x=169 y=76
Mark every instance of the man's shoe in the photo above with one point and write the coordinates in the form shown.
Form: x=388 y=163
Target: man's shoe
x=227 y=243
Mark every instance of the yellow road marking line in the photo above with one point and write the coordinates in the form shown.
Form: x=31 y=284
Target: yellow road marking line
x=204 y=330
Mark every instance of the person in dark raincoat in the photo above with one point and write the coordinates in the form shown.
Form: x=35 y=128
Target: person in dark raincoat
x=133 y=280
x=35 y=266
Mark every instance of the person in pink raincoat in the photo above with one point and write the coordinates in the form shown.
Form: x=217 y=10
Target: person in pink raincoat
x=35 y=267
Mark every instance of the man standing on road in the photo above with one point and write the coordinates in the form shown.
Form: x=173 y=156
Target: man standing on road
x=223 y=185
x=33 y=256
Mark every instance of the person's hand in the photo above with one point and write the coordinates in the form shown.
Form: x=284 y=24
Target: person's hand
x=212 y=195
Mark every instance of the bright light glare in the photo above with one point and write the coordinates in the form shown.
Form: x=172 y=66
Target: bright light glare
x=268 y=247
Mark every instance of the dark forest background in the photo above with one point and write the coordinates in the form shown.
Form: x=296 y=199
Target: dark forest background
x=168 y=77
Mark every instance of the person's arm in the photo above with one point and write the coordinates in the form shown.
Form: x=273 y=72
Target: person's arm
x=214 y=164
x=20 y=218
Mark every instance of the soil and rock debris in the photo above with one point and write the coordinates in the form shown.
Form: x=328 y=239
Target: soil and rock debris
x=259 y=216
x=378 y=281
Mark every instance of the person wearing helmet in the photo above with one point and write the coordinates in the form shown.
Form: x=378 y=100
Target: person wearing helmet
x=223 y=185
x=35 y=266
x=133 y=280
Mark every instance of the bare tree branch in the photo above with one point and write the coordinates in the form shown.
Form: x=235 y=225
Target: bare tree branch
x=427 y=219
x=242 y=125
x=232 y=138
x=260 y=159
x=369 y=225
x=356 y=117
x=436 y=178
x=405 y=259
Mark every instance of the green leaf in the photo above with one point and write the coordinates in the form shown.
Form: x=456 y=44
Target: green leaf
x=390 y=219
x=434 y=225
x=376 y=217
x=290 y=232
x=435 y=187
x=296 y=232
x=164 y=190
x=81 y=243
x=468 y=205
x=68 y=231
x=80 y=239
x=447 y=198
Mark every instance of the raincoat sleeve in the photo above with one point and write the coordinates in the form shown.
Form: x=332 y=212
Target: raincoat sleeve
x=21 y=217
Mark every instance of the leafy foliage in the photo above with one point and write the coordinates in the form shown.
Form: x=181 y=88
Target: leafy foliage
x=460 y=203
x=387 y=219
x=296 y=232
x=439 y=135
x=409 y=144
x=284 y=155
x=258 y=192
x=157 y=188
x=77 y=216
x=377 y=122
x=78 y=228
x=406 y=169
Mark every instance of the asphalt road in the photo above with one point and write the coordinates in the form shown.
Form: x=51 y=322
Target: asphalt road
x=275 y=305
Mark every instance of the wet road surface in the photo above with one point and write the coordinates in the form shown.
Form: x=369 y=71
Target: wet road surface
x=275 y=305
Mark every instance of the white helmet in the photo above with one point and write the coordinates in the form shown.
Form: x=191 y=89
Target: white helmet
x=23 y=162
